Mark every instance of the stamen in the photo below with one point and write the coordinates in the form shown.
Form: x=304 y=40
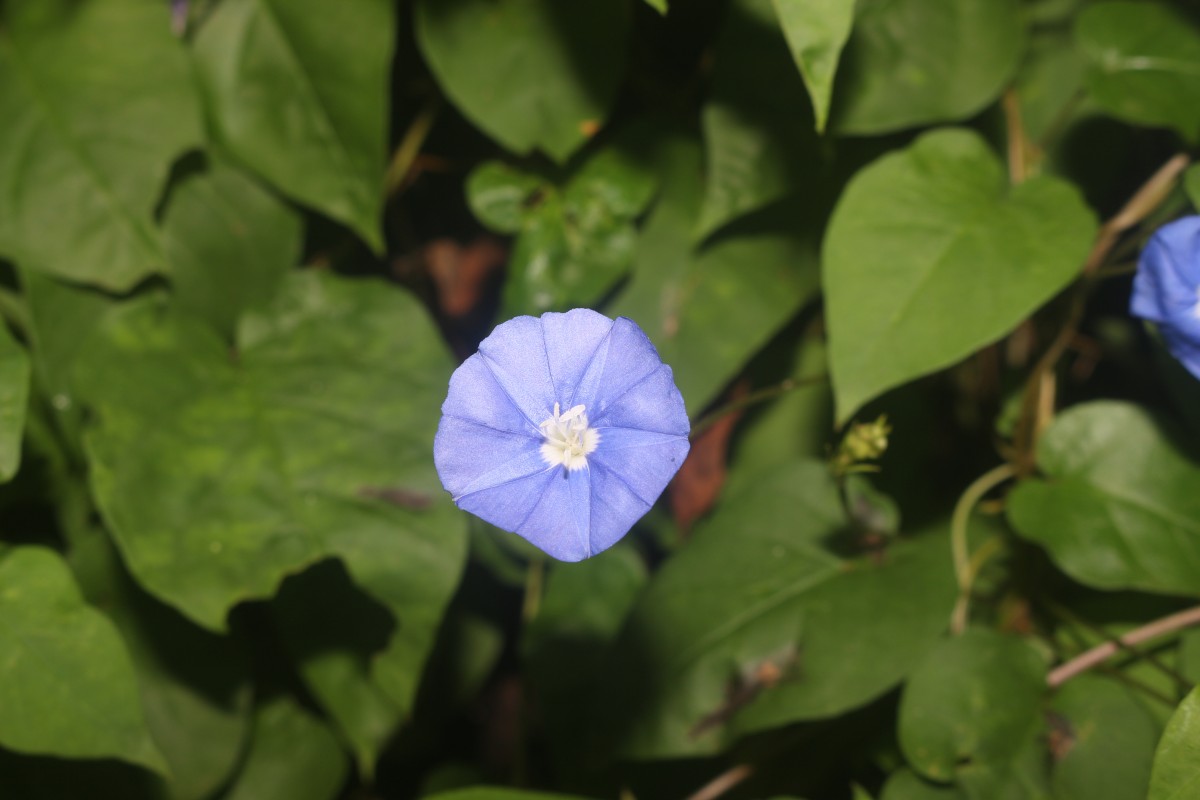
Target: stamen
x=569 y=440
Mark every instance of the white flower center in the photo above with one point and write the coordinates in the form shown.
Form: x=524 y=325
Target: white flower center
x=569 y=440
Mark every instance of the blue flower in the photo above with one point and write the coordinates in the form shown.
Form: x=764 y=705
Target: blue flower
x=1166 y=289
x=563 y=429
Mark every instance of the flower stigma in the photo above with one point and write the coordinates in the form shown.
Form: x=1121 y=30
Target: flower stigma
x=569 y=440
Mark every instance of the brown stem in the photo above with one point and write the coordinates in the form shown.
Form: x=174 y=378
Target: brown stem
x=1102 y=652
x=723 y=783
x=1018 y=142
x=1148 y=197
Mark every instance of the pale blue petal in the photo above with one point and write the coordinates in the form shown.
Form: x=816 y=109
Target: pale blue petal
x=515 y=352
x=651 y=404
x=475 y=395
x=627 y=358
x=470 y=456
x=1166 y=289
x=560 y=524
x=573 y=340
x=644 y=461
x=509 y=505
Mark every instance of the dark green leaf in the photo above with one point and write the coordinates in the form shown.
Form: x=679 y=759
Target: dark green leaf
x=767 y=617
x=759 y=140
x=1118 y=508
x=1105 y=736
x=816 y=33
x=907 y=785
x=292 y=757
x=530 y=73
x=709 y=310
x=229 y=244
x=914 y=62
x=14 y=397
x=1176 y=774
x=576 y=238
x=334 y=632
x=194 y=685
x=97 y=101
x=1143 y=63
x=313 y=443
x=302 y=102
x=975 y=700
x=67 y=687
x=930 y=255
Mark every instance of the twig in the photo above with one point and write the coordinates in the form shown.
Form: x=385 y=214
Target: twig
x=757 y=396
x=1138 y=207
x=1102 y=652
x=958 y=539
x=410 y=146
x=1018 y=142
x=1070 y=616
x=723 y=782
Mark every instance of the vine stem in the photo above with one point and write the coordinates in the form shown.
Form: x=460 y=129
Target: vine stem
x=757 y=396
x=410 y=146
x=1102 y=652
x=1144 y=201
x=963 y=572
x=722 y=783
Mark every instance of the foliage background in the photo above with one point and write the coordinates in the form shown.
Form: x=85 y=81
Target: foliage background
x=245 y=242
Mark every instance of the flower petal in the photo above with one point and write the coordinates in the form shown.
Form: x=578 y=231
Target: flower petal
x=515 y=352
x=573 y=341
x=651 y=404
x=626 y=357
x=560 y=523
x=470 y=456
x=645 y=461
x=476 y=396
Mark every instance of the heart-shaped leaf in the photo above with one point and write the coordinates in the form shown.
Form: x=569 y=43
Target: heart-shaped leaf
x=1176 y=774
x=67 y=686
x=530 y=73
x=1143 y=60
x=302 y=102
x=930 y=255
x=1119 y=507
x=97 y=100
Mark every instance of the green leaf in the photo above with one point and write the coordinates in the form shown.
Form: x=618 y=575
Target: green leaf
x=576 y=237
x=229 y=242
x=1143 y=64
x=759 y=622
x=658 y=5
x=14 y=397
x=1176 y=774
x=930 y=255
x=498 y=793
x=905 y=784
x=97 y=101
x=816 y=33
x=1118 y=508
x=916 y=62
x=1191 y=185
x=313 y=442
x=530 y=73
x=567 y=643
x=67 y=687
x=291 y=757
x=708 y=310
x=322 y=137
x=759 y=138
x=502 y=196
x=194 y=686
x=1106 y=736
x=975 y=700
x=334 y=633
